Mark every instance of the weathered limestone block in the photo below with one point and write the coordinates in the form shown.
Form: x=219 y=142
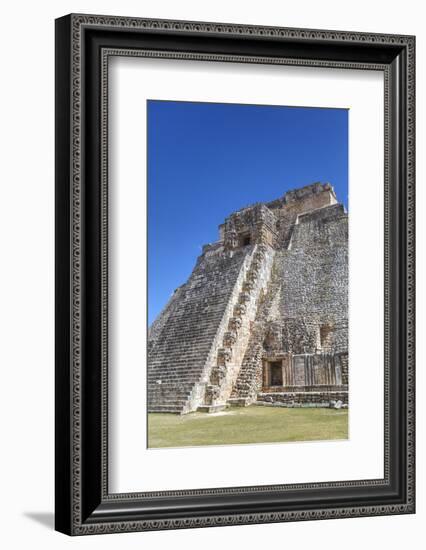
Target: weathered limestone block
x=212 y=393
x=256 y=264
x=244 y=297
x=217 y=375
x=234 y=324
x=240 y=310
x=260 y=254
x=252 y=275
x=230 y=338
x=248 y=286
x=231 y=239
x=224 y=355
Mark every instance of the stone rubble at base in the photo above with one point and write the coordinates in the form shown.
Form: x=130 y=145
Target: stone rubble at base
x=263 y=318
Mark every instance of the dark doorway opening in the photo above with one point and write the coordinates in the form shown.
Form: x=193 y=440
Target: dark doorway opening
x=245 y=239
x=276 y=373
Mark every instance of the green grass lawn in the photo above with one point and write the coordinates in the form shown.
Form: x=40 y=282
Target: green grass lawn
x=246 y=425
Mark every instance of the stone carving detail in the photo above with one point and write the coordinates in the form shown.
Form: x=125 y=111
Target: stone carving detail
x=217 y=375
x=230 y=338
x=212 y=393
x=244 y=297
x=239 y=310
x=248 y=287
x=231 y=239
x=224 y=356
x=252 y=275
x=234 y=323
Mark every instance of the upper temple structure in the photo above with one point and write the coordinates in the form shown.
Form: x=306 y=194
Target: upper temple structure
x=263 y=318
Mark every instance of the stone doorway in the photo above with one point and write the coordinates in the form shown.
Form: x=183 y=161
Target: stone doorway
x=276 y=373
x=245 y=239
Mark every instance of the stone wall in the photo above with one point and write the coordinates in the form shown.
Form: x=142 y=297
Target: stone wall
x=325 y=398
x=294 y=203
x=305 y=370
x=314 y=275
x=254 y=225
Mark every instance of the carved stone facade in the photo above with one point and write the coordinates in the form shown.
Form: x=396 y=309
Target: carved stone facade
x=263 y=318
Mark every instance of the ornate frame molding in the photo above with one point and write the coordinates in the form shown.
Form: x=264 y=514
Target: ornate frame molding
x=86 y=507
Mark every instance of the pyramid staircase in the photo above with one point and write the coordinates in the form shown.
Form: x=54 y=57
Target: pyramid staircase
x=182 y=348
x=235 y=340
x=249 y=380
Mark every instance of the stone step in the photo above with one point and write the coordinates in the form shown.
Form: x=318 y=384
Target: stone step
x=170 y=394
x=176 y=357
x=172 y=390
x=166 y=409
x=189 y=369
x=164 y=379
x=176 y=367
x=238 y=402
x=175 y=363
x=176 y=380
x=168 y=398
x=178 y=339
x=173 y=382
x=172 y=385
x=169 y=404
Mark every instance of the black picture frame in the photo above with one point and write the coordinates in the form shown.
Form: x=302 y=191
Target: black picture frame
x=83 y=504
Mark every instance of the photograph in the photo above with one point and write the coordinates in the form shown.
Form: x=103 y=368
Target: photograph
x=234 y=273
x=209 y=283
x=248 y=274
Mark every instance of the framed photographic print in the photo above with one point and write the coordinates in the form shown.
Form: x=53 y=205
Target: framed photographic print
x=234 y=274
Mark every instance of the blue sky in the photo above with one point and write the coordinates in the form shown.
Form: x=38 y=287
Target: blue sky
x=206 y=160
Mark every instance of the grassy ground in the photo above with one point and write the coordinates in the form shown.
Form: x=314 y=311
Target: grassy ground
x=246 y=425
